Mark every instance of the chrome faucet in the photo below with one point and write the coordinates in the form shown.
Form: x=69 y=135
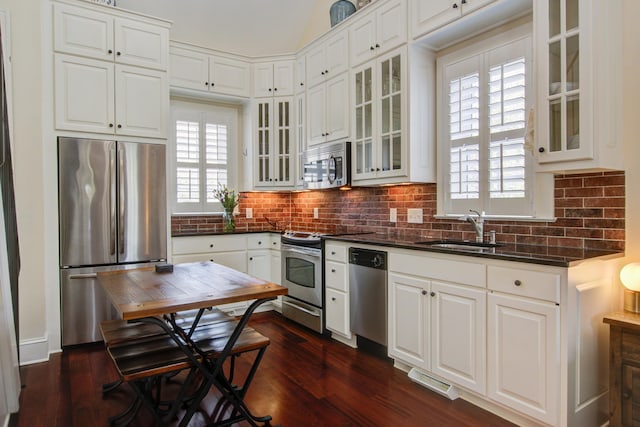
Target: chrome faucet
x=477 y=222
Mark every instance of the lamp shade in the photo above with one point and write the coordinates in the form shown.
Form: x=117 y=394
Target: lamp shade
x=630 y=276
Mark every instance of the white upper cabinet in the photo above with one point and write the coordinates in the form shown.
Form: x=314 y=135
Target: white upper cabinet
x=429 y=15
x=379 y=31
x=300 y=76
x=578 y=45
x=273 y=78
x=98 y=96
x=327 y=58
x=328 y=111
x=199 y=70
x=275 y=156
x=85 y=32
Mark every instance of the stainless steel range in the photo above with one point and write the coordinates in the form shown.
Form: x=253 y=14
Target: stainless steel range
x=302 y=274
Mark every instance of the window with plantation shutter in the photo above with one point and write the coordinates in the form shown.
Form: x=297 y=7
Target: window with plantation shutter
x=485 y=93
x=202 y=144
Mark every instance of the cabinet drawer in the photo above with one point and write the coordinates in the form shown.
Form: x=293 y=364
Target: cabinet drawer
x=335 y=252
x=448 y=270
x=275 y=241
x=201 y=244
x=533 y=284
x=259 y=241
x=336 y=275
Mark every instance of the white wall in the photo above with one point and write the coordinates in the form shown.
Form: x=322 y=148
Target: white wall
x=29 y=164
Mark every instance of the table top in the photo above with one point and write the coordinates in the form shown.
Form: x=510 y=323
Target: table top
x=143 y=292
x=623 y=319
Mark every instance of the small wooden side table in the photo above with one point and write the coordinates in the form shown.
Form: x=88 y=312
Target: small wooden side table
x=624 y=368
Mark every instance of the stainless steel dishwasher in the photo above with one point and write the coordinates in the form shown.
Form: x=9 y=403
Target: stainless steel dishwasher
x=368 y=294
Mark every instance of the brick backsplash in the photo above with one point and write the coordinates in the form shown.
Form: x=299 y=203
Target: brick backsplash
x=590 y=212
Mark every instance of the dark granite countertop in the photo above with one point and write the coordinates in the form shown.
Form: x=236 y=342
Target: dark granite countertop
x=545 y=255
x=221 y=233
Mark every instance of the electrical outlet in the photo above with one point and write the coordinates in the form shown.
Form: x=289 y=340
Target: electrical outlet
x=393 y=215
x=315 y=213
x=414 y=216
x=248 y=213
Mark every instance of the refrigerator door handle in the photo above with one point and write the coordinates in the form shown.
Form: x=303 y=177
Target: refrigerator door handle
x=122 y=161
x=112 y=202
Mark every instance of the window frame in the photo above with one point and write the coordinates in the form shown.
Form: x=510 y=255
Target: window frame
x=202 y=113
x=538 y=201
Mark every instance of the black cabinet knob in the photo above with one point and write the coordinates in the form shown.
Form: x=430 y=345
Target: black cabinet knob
x=301 y=84
x=118 y=53
x=269 y=89
x=424 y=292
x=211 y=245
x=377 y=45
x=455 y=5
x=110 y=125
x=333 y=270
x=371 y=47
x=119 y=126
x=206 y=83
x=259 y=242
x=433 y=294
x=250 y=258
x=541 y=150
x=517 y=283
x=333 y=298
x=110 y=51
x=275 y=89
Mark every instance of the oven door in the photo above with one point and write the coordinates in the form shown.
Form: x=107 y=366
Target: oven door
x=301 y=273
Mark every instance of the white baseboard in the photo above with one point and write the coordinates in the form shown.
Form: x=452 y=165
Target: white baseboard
x=34 y=350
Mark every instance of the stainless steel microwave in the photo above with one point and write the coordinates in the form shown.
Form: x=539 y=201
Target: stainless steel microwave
x=327 y=166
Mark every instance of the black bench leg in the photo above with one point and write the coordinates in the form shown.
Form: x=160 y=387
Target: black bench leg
x=109 y=387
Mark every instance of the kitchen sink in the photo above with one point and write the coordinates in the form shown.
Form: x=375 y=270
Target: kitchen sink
x=462 y=245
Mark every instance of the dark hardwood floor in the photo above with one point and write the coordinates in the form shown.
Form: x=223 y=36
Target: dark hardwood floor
x=304 y=380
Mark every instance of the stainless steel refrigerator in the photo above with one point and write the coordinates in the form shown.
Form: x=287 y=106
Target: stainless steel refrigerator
x=112 y=213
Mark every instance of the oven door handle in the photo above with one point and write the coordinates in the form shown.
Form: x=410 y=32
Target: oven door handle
x=312 y=313
x=309 y=252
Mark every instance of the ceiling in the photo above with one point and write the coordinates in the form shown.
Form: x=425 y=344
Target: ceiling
x=246 y=27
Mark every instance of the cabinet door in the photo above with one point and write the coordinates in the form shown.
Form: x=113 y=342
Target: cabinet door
x=189 y=69
x=428 y=15
x=337 y=53
x=82 y=32
x=337 y=312
x=264 y=113
x=337 y=107
x=235 y=260
x=300 y=74
x=363 y=149
x=284 y=173
x=283 y=78
x=362 y=40
x=458 y=334
x=259 y=264
x=229 y=76
x=391 y=26
x=316 y=115
x=142 y=102
x=563 y=90
x=84 y=94
x=390 y=94
x=523 y=355
x=263 y=80
x=316 y=69
x=408 y=321
x=141 y=44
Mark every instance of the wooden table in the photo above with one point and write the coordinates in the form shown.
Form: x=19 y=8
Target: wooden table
x=148 y=296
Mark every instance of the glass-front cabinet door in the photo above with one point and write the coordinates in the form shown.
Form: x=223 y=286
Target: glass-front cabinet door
x=378 y=118
x=363 y=136
x=563 y=90
x=577 y=108
x=275 y=149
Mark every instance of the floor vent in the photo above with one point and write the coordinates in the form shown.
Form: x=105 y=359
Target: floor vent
x=431 y=383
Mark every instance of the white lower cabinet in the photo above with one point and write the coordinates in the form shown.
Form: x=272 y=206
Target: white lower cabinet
x=259 y=264
x=524 y=369
x=408 y=321
x=337 y=312
x=336 y=276
x=458 y=334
